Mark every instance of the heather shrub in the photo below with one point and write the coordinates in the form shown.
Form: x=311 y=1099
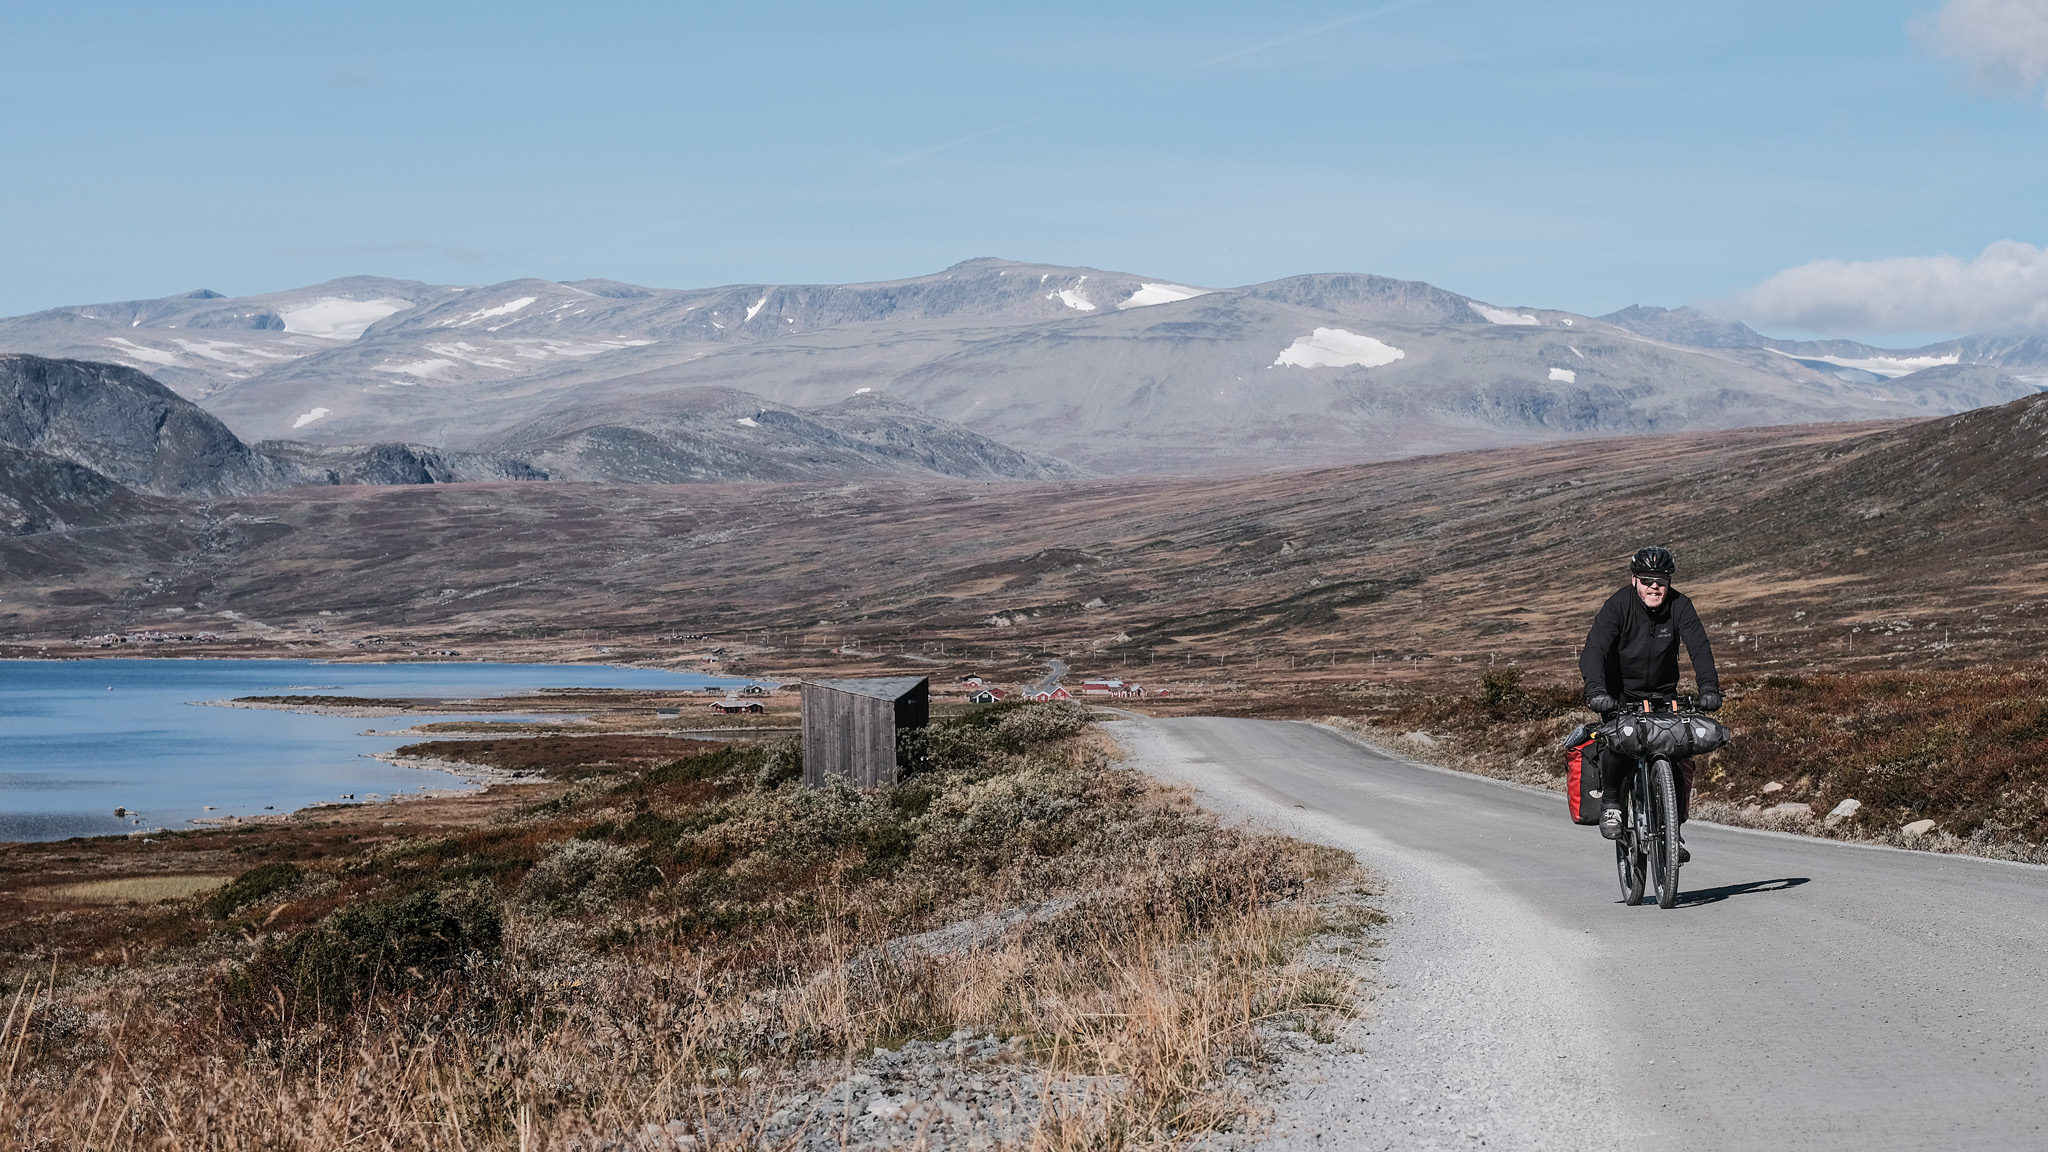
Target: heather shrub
x=588 y=874
x=393 y=945
x=252 y=887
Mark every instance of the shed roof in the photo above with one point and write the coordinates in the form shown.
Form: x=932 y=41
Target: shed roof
x=877 y=687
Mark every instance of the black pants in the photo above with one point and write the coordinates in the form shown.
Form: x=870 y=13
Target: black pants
x=1618 y=772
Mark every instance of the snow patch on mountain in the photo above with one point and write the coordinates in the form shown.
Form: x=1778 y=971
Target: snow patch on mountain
x=1149 y=294
x=505 y=309
x=1564 y=375
x=1889 y=367
x=1072 y=299
x=756 y=309
x=309 y=417
x=1337 y=348
x=420 y=368
x=141 y=352
x=336 y=319
x=1502 y=315
x=229 y=352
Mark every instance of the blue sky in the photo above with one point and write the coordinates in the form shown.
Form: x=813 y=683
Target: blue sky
x=1580 y=155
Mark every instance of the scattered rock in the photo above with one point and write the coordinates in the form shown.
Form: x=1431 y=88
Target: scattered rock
x=1917 y=829
x=1790 y=808
x=1773 y=786
x=1843 y=811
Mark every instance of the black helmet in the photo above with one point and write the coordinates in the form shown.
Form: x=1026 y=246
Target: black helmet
x=1653 y=561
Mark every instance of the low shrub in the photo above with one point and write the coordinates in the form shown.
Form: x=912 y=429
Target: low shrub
x=393 y=945
x=252 y=887
x=588 y=874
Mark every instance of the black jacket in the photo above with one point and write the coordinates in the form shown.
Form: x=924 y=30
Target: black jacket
x=1632 y=653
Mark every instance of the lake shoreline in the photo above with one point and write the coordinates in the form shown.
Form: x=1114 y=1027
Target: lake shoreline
x=116 y=747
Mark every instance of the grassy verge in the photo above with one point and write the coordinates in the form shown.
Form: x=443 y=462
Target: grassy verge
x=1964 y=750
x=1022 y=944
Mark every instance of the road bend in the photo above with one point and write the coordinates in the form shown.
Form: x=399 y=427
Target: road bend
x=1804 y=993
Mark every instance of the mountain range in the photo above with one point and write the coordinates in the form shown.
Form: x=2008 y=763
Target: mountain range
x=991 y=367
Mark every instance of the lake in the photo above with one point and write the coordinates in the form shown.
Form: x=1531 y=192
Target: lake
x=79 y=738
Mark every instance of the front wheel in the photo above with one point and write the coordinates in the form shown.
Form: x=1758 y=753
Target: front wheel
x=1629 y=865
x=1664 y=832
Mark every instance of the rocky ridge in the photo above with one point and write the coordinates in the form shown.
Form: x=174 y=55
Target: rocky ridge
x=79 y=441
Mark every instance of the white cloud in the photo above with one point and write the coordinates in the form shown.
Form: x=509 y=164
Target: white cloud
x=2003 y=289
x=309 y=417
x=2004 y=43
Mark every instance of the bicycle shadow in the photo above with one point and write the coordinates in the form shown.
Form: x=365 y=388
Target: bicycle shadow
x=1726 y=891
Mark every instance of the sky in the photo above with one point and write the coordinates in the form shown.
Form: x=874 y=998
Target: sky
x=1833 y=167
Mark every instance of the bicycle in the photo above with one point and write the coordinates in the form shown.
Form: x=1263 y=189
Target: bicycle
x=1646 y=854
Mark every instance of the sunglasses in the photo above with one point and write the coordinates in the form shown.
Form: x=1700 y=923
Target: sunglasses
x=1652 y=582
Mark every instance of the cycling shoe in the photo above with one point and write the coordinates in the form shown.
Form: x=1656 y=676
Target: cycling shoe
x=1610 y=823
x=1684 y=853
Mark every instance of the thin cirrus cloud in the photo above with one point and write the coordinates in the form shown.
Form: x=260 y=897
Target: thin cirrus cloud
x=2004 y=289
x=2004 y=43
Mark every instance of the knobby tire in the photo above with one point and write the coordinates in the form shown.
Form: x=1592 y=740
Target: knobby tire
x=1664 y=832
x=1629 y=862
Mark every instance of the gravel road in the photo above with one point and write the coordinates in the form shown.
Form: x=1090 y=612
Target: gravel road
x=1804 y=994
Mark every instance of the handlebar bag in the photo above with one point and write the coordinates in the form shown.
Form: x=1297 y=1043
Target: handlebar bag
x=1582 y=775
x=1665 y=734
x=1707 y=734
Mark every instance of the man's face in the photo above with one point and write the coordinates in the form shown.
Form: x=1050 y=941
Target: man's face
x=1652 y=591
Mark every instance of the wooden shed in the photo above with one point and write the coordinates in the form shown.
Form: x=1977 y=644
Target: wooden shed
x=850 y=726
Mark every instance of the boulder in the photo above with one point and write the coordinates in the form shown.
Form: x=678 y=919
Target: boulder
x=1844 y=811
x=1773 y=786
x=1789 y=808
x=1917 y=829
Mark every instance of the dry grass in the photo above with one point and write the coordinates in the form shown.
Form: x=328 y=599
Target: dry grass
x=134 y=889
x=703 y=950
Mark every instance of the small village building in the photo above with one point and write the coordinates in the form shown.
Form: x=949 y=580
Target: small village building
x=754 y=690
x=852 y=728
x=1048 y=695
x=1102 y=688
x=733 y=705
x=971 y=683
x=985 y=696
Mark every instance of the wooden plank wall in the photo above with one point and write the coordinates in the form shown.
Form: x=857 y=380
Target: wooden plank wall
x=849 y=736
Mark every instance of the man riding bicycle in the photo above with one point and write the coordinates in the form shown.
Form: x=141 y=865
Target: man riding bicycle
x=1632 y=655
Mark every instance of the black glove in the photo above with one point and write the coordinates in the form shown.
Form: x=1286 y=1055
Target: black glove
x=1710 y=701
x=1601 y=702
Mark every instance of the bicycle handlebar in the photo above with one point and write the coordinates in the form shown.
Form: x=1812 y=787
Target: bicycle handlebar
x=1679 y=704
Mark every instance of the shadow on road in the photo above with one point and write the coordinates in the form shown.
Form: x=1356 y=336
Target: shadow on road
x=1716 y=895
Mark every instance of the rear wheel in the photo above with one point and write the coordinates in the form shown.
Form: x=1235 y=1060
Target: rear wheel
x=1664 y=832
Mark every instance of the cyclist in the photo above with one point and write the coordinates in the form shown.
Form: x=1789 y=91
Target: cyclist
x=1632 y=655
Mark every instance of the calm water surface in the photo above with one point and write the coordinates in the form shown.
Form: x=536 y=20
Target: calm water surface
x=80 y=737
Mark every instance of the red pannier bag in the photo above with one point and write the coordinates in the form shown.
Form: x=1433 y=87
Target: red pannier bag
x=1582 y=775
